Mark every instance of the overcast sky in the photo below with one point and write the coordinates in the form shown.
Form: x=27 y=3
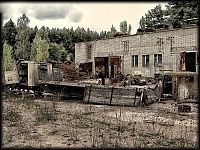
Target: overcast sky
x=96 y=16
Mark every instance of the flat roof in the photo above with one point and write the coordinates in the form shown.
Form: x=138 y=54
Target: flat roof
x=150 y=32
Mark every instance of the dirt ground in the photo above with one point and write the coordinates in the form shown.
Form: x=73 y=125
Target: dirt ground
x=49 y=122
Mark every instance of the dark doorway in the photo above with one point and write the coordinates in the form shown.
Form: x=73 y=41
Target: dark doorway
x=106 y=67
x=167 y=84
x=115 y=65
x=190 y=59
x=101 y=63
x=112 y=71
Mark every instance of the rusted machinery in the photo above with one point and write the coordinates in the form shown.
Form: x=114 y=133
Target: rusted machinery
x=48 y=77
x=10 y=79
x=25 y=76
x=40 y=77
x=182 y=86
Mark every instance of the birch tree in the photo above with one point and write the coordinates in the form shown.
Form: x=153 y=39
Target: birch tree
x=8 y=62
x=39 y=49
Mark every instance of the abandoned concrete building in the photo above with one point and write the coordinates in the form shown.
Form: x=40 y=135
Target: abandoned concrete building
x=147 y=53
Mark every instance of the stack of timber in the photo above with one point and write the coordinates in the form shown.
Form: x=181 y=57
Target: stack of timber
x=125 y=96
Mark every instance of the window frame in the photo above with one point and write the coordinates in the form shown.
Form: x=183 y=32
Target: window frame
x=157 y=63
x=89 y=51
x=144 y=61
x=135 y=61
x=125 y=46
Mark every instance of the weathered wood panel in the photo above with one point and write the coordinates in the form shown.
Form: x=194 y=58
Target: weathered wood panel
x=119 y=96
x=98 y=94
x=124 y=96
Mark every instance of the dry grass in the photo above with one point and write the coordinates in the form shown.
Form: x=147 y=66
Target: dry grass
x=43 y=123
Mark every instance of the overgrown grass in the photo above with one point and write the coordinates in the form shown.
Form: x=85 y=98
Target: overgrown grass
x=103 y=131
x=45 y=113
x=11 y=111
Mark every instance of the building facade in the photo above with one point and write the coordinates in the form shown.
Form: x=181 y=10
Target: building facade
x=148 y=53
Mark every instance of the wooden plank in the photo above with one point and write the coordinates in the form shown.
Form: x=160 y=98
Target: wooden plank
x=99 y=100
x=117 y=96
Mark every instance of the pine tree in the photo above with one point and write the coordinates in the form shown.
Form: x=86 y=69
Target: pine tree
x=142 y=23
x=123 y=26
x=9 y=35
x=180 y=11
x=23 y=45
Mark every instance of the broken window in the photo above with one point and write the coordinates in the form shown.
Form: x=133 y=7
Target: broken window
x=171 y=41
x=157 y=60
x=145 y=60
x=89 y=51
x=135 y=60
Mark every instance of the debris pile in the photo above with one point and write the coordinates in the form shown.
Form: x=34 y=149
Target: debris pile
x=69 y=72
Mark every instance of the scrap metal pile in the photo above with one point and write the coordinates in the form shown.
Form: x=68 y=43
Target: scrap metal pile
x=135 y=90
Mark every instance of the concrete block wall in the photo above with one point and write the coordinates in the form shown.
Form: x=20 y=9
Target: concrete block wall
x=144 y=44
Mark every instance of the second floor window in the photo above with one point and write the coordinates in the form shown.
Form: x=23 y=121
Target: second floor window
x=126 y=46
x=135 y=60
x=145 y=60
x=89 y=51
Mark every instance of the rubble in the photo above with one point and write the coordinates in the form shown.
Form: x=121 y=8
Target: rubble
x=184 y=108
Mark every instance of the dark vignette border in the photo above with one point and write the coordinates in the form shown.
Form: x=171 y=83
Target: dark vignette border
x=97 y=1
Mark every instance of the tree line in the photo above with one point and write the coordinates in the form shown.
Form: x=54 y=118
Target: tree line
x=175 y=14
x=20 y=41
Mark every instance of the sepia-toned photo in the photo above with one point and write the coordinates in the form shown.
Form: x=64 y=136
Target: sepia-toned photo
x=100 y=75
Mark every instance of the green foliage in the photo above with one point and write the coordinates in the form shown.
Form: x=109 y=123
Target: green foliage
x=23 y=44
x=103 y=34
x=123 y=26
x=175 y=15
x=9 y=35
x=8 y=63
x=180 y=11
x=57 y=52
x=10 y=31
x=32 y=34
x=55 y=35
x=44 y=33
x=109 y=34
x=154 y=16
x=23 y=21
x=63 y=55
x=142 y=23
x=61 y=41
x=39 y=50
